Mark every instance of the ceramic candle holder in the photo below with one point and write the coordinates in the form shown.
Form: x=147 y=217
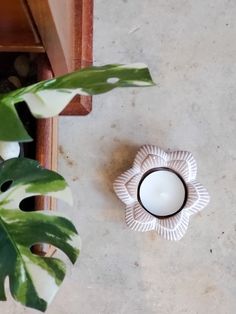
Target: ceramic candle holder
x=128 y=187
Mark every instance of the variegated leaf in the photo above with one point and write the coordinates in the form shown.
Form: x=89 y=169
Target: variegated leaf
x=48 y=98
x=33 y=280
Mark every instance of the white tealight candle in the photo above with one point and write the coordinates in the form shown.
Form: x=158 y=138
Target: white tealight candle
x=162 y=193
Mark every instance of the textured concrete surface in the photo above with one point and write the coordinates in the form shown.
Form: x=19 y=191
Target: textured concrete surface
x=190 y=48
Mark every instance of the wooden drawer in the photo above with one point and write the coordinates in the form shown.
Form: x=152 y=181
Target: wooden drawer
x=17 y=29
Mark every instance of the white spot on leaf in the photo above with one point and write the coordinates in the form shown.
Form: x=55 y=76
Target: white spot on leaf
x=113 y=80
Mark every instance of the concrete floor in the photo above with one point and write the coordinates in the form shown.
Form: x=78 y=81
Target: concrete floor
x=190 y=48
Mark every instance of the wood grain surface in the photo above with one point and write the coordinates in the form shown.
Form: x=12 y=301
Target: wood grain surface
x=17 y=28
x=46 y=151
x=82 y=52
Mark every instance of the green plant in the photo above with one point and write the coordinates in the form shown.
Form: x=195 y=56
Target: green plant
x=34 y=280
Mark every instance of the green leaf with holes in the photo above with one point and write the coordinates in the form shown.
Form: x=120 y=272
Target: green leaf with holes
x=48 y=98
x=33 y=279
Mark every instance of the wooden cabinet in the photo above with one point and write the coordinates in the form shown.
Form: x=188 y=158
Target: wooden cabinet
x=63 y=29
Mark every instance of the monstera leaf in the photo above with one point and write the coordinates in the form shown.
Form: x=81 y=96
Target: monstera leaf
x=48 y=98
x=33 y=279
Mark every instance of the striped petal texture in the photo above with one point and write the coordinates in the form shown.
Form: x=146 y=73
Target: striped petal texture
x=126 y=187
x=34 y=280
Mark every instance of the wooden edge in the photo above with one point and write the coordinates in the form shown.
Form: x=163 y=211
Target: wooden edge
x=21 y=47
x=83 y=53
x=46 y=152
x=79 y=106
x=30 y=20
x=46 y=26
x=87 y=34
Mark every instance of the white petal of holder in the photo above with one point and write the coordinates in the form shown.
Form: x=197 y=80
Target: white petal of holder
x=156 y=184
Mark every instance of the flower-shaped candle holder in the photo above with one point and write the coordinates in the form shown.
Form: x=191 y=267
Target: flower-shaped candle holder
x=160 y=192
